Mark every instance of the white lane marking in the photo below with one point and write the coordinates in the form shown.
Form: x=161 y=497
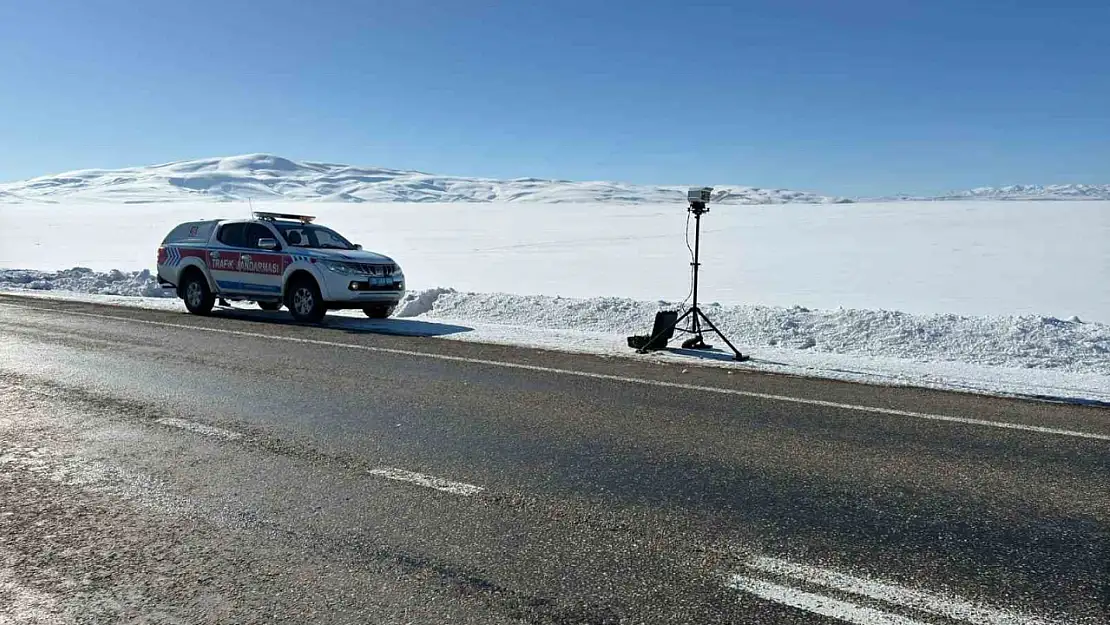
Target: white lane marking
x=200 y=428
x=192 y=426
x=951 y=607
x=596 y=376
x=428 y=481
x=818 y=604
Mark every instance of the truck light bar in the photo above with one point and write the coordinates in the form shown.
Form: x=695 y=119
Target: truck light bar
x=304 y=219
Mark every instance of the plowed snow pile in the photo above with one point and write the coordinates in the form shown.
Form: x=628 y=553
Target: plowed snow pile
x=84 y=280
x=1022 y=354
x=1020 y=341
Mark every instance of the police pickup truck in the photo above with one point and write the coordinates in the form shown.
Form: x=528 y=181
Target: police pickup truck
x=277 y=259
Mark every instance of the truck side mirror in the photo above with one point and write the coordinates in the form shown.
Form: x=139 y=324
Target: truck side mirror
x=358 y=246
x=268 y=244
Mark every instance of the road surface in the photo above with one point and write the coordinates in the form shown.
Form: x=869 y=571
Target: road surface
x=157 y=467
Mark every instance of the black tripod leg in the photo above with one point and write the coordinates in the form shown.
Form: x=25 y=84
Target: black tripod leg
x=697 y=341
x=662 y=332
x=708 y=322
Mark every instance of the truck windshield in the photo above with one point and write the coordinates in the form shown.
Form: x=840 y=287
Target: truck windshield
x=304 y=235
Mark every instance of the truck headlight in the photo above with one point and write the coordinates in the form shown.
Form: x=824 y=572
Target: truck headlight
x=337 y=267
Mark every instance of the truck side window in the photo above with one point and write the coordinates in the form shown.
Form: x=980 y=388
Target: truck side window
x=256 y=232
x=232 y=234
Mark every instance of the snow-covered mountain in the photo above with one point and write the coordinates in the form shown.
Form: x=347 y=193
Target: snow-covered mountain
x=1035 y=192
x=269 y=177
x=264 y=176
x=1014 y=192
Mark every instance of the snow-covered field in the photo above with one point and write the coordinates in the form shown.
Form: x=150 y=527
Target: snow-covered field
x=970 y=258
x=992 y=296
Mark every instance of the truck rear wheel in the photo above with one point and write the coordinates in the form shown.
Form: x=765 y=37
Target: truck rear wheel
x=198 y=297
x=304 y=301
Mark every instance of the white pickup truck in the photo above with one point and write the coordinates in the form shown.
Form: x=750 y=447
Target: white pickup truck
x=277 y=259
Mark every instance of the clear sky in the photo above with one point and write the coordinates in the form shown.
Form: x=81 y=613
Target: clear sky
x=854 y=97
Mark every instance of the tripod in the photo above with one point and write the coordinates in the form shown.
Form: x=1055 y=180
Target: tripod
x=697 y=317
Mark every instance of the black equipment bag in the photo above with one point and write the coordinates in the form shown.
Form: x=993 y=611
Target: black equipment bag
x=661 y=332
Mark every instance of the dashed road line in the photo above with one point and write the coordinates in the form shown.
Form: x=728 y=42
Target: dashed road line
x=428 y=481
x=596 y=376
x=200 y=428
x=183 y=424
x=818 y=604
x=947 y=606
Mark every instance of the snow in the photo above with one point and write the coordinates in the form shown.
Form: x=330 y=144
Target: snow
x=1016 y=355
x=968 y=258
x=1025 y=341
x=1037 y=192
x=84 y=280
x=999 y=297
x=274 y=178
x=1016 y=192
x=269 y=177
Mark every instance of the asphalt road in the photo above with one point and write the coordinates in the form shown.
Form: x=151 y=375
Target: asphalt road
x=157 y=467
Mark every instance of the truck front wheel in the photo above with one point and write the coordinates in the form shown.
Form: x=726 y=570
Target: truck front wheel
x=304 y=302
x=379 y=311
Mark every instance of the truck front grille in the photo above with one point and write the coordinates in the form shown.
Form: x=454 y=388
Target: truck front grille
x=375 y=270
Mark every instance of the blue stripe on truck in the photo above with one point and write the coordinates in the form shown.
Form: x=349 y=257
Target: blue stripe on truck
x=246 y=286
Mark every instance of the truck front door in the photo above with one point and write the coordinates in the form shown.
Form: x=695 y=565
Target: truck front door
x=261 y=270
x=224 y=257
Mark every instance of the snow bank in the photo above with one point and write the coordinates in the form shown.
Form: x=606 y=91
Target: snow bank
x=84 y=280
x=1025 y=341
x=1023 y=355
x=1022 y=341
x=419 y=302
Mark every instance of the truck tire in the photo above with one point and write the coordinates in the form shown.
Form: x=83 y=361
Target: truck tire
x=303 y=300
x=381 y=311
x=271 y=306
x=198 y=297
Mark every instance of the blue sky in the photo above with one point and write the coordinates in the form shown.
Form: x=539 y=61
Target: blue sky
x=848 y=97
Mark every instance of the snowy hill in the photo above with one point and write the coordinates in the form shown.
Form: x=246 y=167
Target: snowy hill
x=1036 y=192
x=264 y=176
x=269 y=177
x=1029 y=192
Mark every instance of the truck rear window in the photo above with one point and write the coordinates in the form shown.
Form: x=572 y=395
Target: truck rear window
x=232 y=234
x=191 y=232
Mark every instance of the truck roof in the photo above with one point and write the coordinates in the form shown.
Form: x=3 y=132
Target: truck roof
x=200 y=232
x=304 y=219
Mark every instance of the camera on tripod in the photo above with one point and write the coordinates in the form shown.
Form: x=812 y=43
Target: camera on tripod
x=699 y=199
x=667 y=322
x=701 y=195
